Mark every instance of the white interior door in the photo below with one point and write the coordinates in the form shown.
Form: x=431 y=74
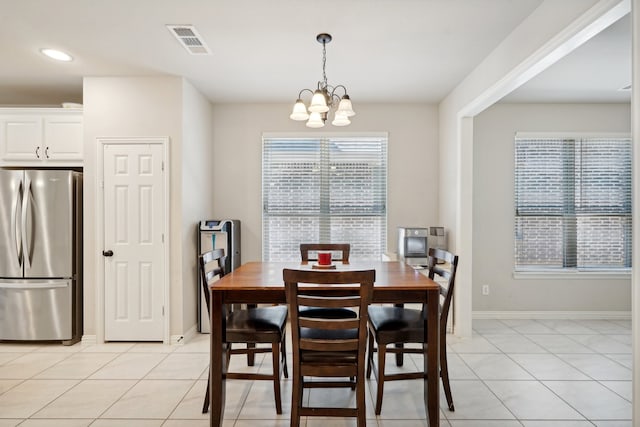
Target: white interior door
x=133 y=241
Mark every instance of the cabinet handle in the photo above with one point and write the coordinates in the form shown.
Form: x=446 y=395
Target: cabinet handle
x=38 y=152
x=46 y=152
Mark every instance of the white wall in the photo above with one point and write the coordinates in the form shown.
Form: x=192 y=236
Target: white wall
x=148 y=107
x=493 y=208
x=413 y=166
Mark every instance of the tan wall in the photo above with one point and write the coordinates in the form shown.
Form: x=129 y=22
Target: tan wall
x=148 y=107
x=413 y=162
x=197 y=176
x=493 y=214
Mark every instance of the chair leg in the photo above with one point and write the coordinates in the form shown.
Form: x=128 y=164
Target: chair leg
x=444 y=373
x=285 y=370
x=275 y=356
x=382 y=354
x=296 y=398
x=227 y=352
x=205 y=406
x=360 y=405
x=251 y=357
x=370 y=354
x=399 y=355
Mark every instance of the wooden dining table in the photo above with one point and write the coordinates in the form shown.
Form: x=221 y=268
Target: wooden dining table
x=261 y=282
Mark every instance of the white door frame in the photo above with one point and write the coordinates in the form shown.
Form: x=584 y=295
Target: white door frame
x=99 y=259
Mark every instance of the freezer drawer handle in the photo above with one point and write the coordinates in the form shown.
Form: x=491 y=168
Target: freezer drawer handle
x=25 y=286
x=107 y=253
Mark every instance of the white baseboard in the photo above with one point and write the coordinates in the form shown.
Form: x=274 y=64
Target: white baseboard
x=175 y=339
x=183 y=339
x=89 y=339
x=563 y=315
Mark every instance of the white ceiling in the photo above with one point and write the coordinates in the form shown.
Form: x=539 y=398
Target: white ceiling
x=265 y=51
x=594 y=72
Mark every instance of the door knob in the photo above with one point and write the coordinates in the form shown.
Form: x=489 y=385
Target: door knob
x=107 y=253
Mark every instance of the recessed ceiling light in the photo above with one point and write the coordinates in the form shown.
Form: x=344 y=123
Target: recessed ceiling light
x=57 y=54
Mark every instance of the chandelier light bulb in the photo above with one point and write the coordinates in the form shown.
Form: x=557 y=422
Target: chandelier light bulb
x=345 y=107
x=315 y=120
x=299 y=111
x=340 y=120
x=318 y=103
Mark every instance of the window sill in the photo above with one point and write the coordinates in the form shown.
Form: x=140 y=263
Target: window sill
x=577 y=274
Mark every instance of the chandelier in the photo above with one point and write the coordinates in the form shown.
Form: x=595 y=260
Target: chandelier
x=324 y=98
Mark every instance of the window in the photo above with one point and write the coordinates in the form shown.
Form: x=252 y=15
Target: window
x=572 y=203
x=327 y=189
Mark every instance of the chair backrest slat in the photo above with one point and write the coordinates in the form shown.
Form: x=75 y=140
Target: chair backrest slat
x=316 y=301
x=328 y=324
x=329 y=345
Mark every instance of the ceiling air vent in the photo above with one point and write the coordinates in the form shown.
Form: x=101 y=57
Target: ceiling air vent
x=189 y=39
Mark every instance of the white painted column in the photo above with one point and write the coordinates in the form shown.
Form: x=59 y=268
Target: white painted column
x=462 y=308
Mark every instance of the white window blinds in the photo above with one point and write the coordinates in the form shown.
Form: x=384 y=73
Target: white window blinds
x=572 y=203
x=329 y=190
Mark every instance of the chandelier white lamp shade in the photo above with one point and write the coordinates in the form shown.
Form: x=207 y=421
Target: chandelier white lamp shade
x=340 y=119
x=315 y=120
x=299 y=111
x=324 y=99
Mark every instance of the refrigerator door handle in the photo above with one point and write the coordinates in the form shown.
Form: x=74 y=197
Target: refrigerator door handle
x=14 y=223
x=25 y=236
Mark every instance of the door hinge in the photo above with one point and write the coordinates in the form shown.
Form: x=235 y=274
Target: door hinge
x=163 y=310
x=162 y=237
x=163 y=166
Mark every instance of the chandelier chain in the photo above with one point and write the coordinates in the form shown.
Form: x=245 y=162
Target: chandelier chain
x=324 y=63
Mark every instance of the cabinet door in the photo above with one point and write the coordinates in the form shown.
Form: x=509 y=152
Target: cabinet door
x=21 y=137
x=63 y=137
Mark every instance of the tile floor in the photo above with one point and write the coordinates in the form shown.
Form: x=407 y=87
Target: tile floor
x=525 y=373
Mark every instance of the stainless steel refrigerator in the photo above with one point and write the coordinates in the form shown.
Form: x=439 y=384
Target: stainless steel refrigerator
x=40 y=255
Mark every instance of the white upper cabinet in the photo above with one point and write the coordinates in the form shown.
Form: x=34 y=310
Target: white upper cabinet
x=39 y=136
x=20 y=137
x=63 y=137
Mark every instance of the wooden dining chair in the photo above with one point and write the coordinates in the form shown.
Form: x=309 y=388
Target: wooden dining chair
x=306 y=252
x=332 y=349
x=398 y=326
x=251 y=326
x=308 y=249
